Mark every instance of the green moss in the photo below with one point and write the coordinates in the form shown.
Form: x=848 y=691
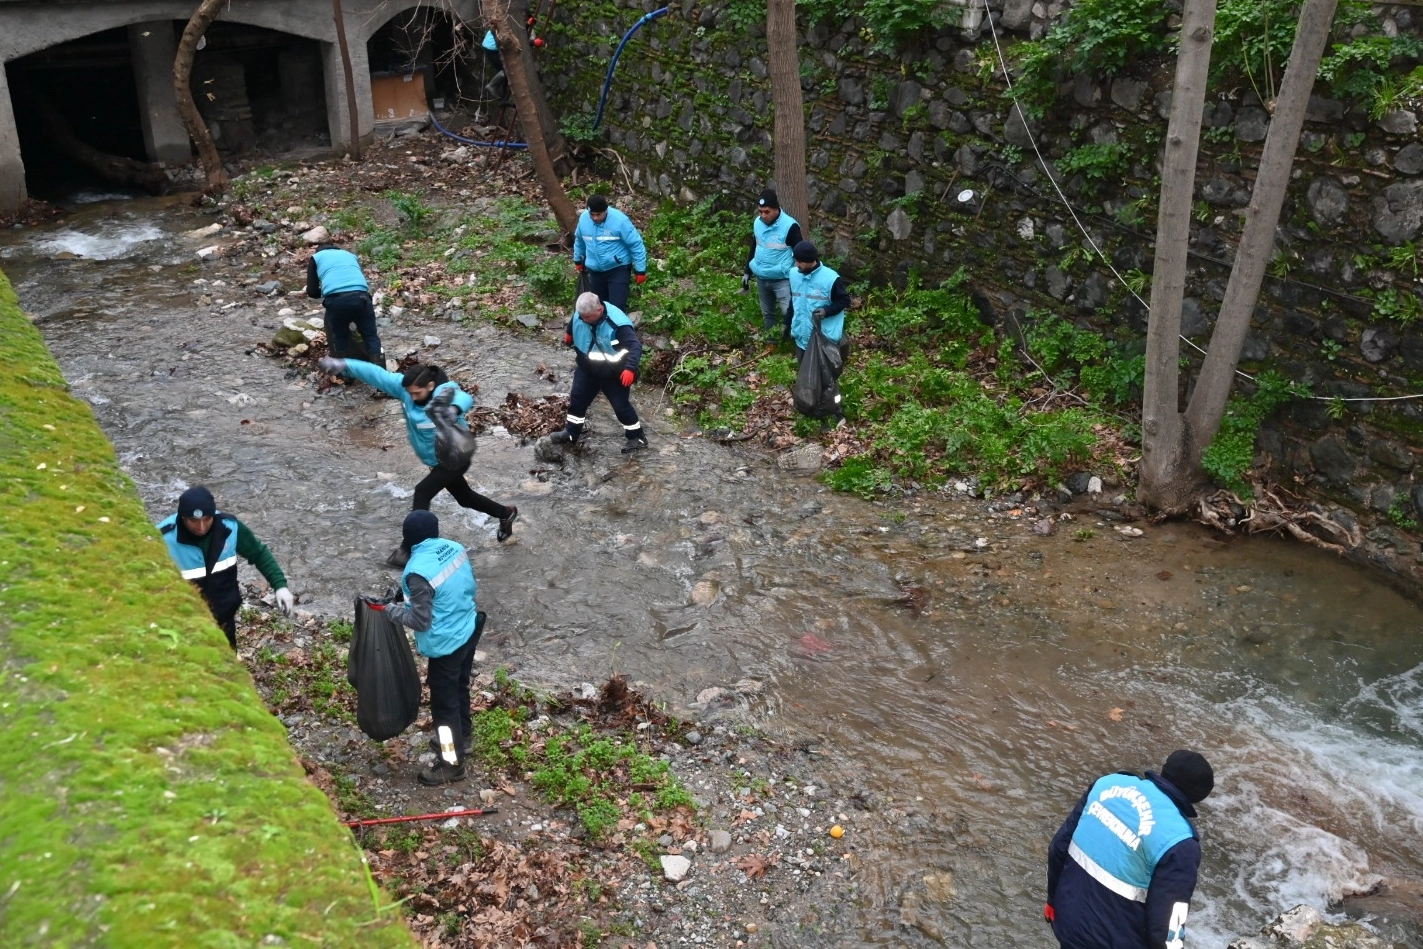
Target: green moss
x=146 y=797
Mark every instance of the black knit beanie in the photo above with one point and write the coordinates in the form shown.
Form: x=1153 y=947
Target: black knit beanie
x=768 y=199
x=806 y=251
x=419 y=527
x=1191 y=773
x=196 y=502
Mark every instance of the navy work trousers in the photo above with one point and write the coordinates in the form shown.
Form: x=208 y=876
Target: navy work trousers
x=343 y=310
x=448 y=679
x=611 y=285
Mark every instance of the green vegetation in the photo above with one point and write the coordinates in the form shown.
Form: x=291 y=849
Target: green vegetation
x=145 y=793
x=1102 y=37
x=1231 y=454
x=592 y=772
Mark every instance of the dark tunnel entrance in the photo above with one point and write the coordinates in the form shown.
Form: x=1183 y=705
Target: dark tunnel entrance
x=86 y=86
x=256 y=89
x=261 y=89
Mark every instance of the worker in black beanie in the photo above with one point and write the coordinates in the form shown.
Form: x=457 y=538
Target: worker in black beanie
x=1123 y=866
x=774 y=235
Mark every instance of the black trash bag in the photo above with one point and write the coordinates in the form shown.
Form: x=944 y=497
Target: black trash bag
x=454 y=444
x=381 y=668
x=816 y=392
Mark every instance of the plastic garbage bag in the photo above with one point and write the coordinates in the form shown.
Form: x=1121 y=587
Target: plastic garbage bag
x=454 y=443
x=816 y=392
x=381 y=668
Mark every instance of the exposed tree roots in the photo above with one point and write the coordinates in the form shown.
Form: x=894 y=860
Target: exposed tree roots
x=1269 y=511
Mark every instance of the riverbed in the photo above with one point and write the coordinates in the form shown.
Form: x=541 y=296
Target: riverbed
x=956 y=666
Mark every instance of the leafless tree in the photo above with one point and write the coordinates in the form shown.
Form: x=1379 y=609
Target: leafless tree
x=784 y=56
x=202 y=18
x=546 y=150
x=1171 y=479
x=351 y=111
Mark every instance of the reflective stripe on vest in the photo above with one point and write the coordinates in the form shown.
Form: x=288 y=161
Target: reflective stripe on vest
x=191 y=561
x=445 y=564
x=1095 y=871
x=599 y=343
x=1127 y=825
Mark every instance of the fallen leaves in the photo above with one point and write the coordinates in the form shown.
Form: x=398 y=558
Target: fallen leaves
x=1115 y=715
x=754 y=865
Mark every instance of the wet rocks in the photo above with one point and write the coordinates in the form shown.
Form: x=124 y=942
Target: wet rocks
x=704 y=591
x=1304 y=927
x=317 y=235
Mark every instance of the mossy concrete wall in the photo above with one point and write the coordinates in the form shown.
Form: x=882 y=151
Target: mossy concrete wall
x=147 y=798
x=895 y=135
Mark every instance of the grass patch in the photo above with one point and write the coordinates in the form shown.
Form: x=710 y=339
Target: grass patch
x=126 y=722
x=602 y=774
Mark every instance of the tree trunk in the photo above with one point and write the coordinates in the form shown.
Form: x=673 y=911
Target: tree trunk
x=202 y=18
x=351 y=108
x=115 y=168
x=1257 y=243
x=1167 y=479
x=513 y=50
x=790 y=110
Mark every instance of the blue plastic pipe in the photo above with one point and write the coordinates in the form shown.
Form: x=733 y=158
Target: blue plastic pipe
x=607 y=83
x=469 y=141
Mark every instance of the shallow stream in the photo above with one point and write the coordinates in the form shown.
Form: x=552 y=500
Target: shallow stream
x=944 y=659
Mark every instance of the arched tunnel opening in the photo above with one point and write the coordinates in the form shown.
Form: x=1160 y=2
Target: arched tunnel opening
x=424 y=57
x=81 y=102
x=86 y=89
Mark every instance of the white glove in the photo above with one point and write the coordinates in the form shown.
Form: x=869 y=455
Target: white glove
x=333 y=366
x=285 y=601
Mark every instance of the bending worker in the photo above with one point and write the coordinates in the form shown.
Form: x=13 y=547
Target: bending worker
x=1123 y=866
x=774 y=235
x=439 y=588
x=415 y=389
x=205 y=544
x=609 y=352
x=335 y=277
x=608 y=246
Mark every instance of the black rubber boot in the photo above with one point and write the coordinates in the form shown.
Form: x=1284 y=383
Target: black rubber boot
x=634 y=444
x=506 y=525
x=442 y=772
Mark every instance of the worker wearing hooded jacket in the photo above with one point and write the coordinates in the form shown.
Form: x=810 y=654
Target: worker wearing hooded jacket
x=439 y=588
x=608 y=247
x=817 y=293
x=609 y=352
x=1123 y=866
x=205 y=544
x=415 y=389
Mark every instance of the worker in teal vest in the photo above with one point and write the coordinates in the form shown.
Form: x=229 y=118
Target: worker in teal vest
x=609 y=352
x=334 y=276
x=439 y=587
x=818 y=297
x=205 y=544
x=418 y=388
x=774 y=235
x=1123 y=866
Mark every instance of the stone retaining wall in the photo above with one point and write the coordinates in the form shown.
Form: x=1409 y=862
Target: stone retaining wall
x=897 y=138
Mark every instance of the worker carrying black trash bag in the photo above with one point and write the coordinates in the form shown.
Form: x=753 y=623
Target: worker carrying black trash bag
x=1123 y=866
x=818 y=303
x=439 y=588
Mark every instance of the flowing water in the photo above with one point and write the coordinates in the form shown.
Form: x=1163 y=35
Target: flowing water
x=969 y=674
